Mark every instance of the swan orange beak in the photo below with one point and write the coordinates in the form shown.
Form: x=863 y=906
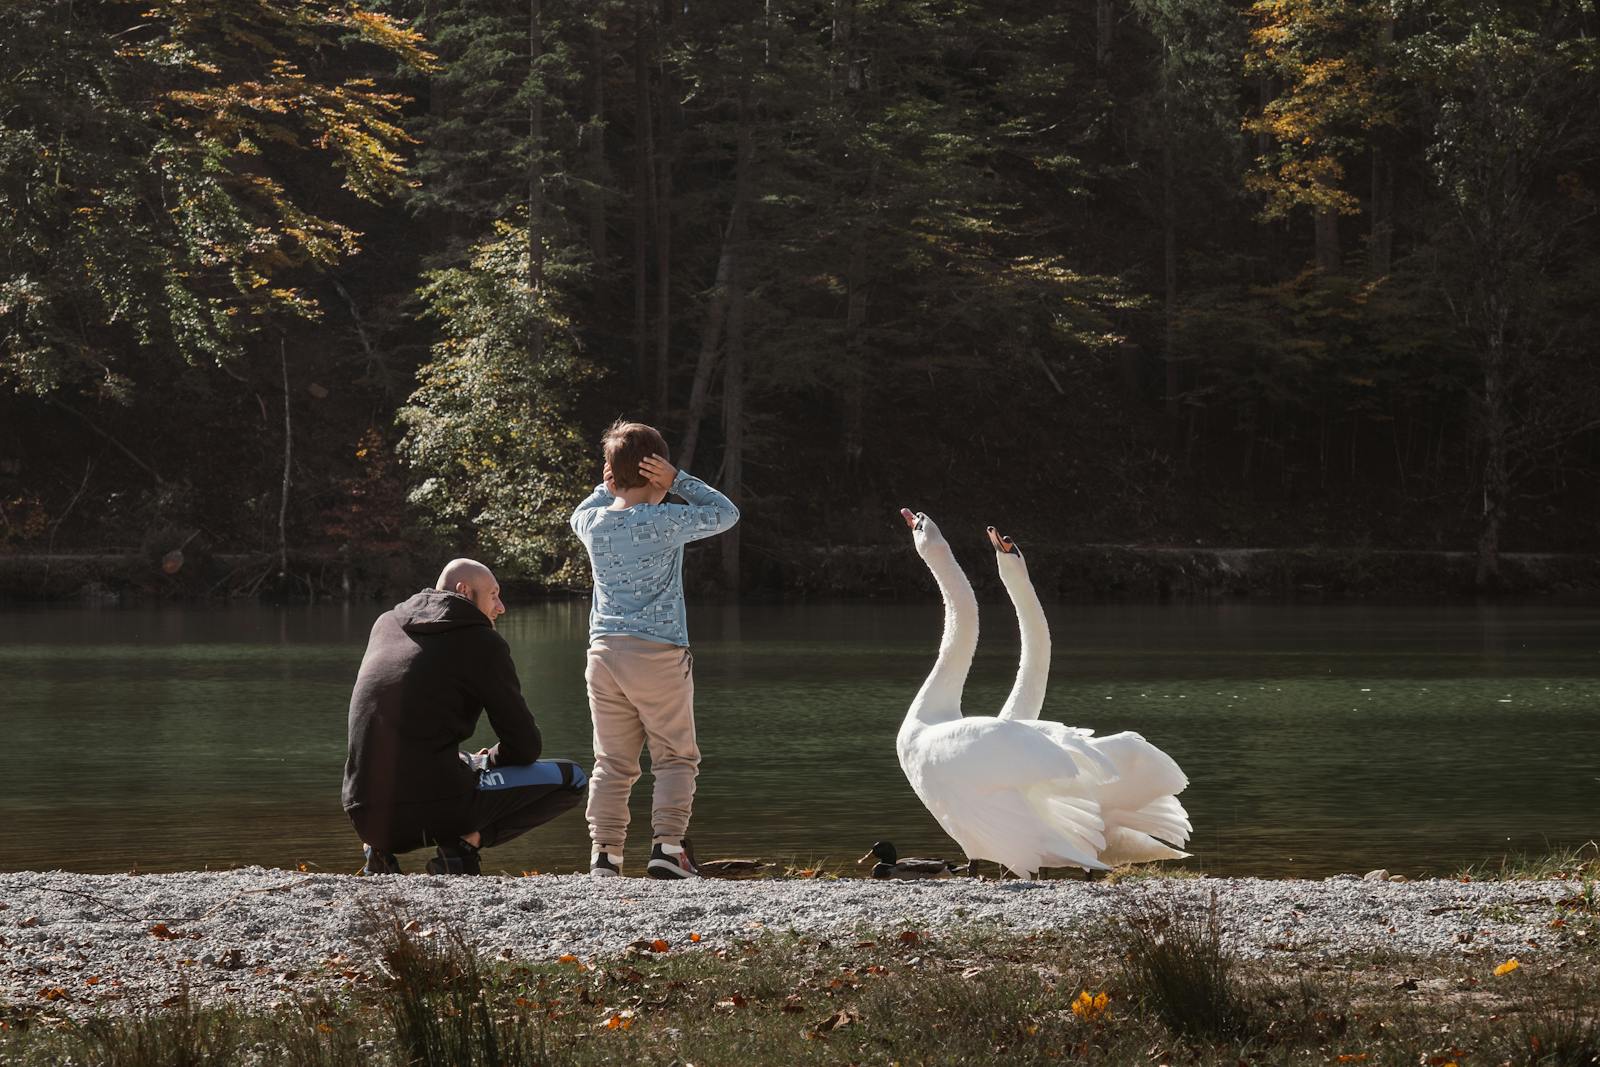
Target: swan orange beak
x=911 y=520
x=1001 y=542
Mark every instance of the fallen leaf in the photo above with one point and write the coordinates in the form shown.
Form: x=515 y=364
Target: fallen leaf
x=52 y=993
x=29 y=923
x=694 y=937
x=1507 y=967
x=566 y=957
x=93 y=979
x=659 y=945
x=909 y=937
x=731 y=1003
x=793 y=1002
x=1354 y=1057
x=160 y=932
x=839 y=1019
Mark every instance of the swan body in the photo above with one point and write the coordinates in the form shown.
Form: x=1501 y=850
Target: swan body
x=1138 y=787
x=1005 y=790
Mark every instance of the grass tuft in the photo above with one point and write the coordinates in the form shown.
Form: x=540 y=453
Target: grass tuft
x=183 y=1036
x=1557 y=1032
x=1576 y=864
x=1177 y=967
x=442 y=1006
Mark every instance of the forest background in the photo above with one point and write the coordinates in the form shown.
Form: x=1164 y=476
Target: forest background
x=304 y=294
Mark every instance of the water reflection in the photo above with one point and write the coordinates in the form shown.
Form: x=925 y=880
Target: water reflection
x=1318 y=739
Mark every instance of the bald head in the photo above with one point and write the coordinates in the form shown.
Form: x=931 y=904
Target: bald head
x=474 y=581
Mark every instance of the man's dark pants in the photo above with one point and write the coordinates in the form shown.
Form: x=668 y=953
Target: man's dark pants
x=508 y=802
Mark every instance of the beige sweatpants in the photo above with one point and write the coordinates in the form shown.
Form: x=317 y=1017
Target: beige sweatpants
x=641 y=691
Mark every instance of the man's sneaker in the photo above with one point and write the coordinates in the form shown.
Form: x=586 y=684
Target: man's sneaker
x=605 y=865
x=672 y=861
x=459 y=858
x=380 y=862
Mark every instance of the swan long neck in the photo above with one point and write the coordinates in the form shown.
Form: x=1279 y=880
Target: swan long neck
x=939 y=699
x=1033 y=672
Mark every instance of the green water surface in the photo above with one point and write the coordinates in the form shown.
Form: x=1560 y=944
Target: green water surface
x=1317 y=739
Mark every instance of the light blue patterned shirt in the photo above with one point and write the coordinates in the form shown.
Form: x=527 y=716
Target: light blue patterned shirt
x=636 y=555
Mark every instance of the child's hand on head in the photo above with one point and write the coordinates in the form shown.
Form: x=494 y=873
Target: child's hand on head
x=657 y=471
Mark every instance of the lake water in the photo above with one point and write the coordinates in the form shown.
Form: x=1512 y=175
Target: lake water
x=1317 y=739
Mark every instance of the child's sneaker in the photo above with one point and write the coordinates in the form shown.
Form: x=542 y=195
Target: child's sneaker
x=603 y=864
x=672 y=861
x=379 y=862
x=459 y=858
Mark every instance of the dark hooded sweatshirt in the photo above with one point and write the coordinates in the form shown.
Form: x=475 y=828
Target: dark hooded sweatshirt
x=433 y=665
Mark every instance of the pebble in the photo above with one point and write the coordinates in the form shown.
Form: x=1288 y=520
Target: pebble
x=143 y=938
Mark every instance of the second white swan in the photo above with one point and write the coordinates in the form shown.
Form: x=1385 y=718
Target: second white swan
x=1138 y=799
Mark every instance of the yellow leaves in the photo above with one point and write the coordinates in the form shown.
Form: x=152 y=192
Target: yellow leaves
x=1507 y=967
x=1091 y=1006
x=618 y=1020
x=1354 y=1057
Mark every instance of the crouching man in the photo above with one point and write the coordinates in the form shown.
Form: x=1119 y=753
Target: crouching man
x=433 y=665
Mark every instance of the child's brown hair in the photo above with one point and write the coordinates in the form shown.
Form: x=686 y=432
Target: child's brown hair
x=625 y=444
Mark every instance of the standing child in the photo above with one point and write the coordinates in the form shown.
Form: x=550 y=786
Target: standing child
x=640 y=672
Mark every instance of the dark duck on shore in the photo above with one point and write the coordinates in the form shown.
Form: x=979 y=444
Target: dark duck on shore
x=890 y=865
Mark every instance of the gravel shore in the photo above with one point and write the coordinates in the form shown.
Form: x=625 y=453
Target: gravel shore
x=252 y=937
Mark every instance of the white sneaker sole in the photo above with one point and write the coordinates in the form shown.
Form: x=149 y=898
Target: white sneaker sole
x=668 y=869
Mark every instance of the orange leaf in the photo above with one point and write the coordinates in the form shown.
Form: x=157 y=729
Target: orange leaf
x=160 y=932
x=694 y=937
x=566 y=957
x=659 y=945
x=1507 y=967
x=909 y=937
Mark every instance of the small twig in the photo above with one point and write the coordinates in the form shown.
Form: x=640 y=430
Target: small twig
x=96 y=900
x=284 y=888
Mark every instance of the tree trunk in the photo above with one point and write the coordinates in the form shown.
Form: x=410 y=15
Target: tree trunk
x=641 y=199
x=855 y=316
x=733 y=366
x=288 y=452
x=536 y=175
x=710 y=342
x=1382 y=240
x=594 y=132
x=663 y=206
x=1496 y=475
x=1169 y=265
x=1329 y=258
x=1105 y=24
x=1381 y=252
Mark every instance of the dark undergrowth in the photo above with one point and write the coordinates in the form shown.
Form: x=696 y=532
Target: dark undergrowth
x=1156 y=987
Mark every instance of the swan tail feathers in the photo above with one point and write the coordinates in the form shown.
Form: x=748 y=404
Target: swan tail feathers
x=1124 y=846
x=1163 y=818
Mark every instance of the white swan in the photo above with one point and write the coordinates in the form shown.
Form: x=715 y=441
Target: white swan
x=1004 y=790
x=1138 y=801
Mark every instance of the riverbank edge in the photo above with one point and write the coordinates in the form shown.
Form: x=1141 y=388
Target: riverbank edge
x=1066 y=573
x=96 y=943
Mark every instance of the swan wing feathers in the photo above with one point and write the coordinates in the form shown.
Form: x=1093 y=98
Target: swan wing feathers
x=979 y=754
x=1077 y=740
x=1144 y=772
x=1029 y=828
